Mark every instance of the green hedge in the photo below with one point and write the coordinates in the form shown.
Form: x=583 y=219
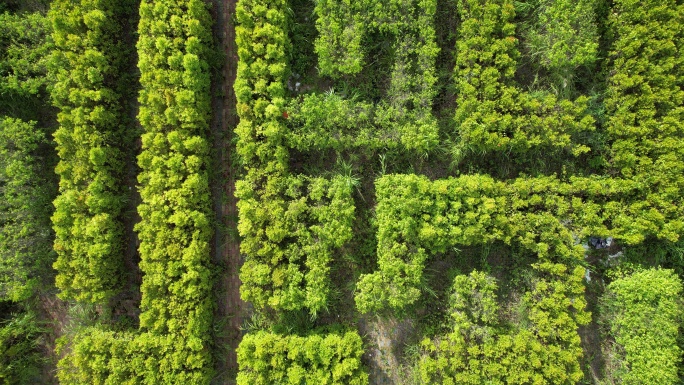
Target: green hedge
x=405 y=116
x=564 y=37
x=86 y=66
x=25 y=234
x=291 y=224
x=542 y=348
x=645 y=98
x=21 y=358
x=493 y=113
x=105 y=357
x=266 y=358
x=644 y=312
x=417 y=218
x=175 y=230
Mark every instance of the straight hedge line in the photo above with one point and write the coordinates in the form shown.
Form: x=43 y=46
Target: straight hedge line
x=86 y=66
x=268 y=358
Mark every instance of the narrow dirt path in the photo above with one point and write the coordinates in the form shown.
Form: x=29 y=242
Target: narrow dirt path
x=231 y=310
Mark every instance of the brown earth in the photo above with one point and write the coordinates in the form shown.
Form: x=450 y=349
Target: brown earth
x=231 y=310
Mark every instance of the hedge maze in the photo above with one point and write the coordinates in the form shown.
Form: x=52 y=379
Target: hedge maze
x=594 y=87
x=637 y=196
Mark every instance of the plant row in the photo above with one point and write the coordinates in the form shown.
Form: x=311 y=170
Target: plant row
x=645 y=97
x=25 y=236
x=291 y=224
x=86 y=66
x=542 y=347
x=493 y=113
x=268 y=358
x=175 y=229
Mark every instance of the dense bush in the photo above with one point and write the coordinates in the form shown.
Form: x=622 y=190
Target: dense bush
x=267 y=358
x=104 y=357
x=25 y=234
x=644 y=312
x=175 y=227
x=645 y=97
x=341 y=26
x=86 y=67
x=417 y=218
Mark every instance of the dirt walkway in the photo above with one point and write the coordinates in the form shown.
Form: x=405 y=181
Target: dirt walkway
x=231 y=309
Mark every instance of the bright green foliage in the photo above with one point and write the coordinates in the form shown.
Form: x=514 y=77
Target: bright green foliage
x=104 y=357
x=645 y=98
x=20 y=357
x=542 y=349
x=417 y=218
x=645 y=312
x=406 y=115
x=25 y=206
x=565 y=37
x=23 y=48
x=175 y=228
x=266 y=358
x=290 y=225
x=89 y=233
x=493 y=114
x=290 y=253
